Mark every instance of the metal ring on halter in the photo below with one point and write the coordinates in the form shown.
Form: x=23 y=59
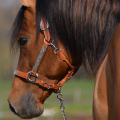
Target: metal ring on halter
x=52 y=45
x=41 y=24
x=55 y=48
x=47 y=84
x=46 y=40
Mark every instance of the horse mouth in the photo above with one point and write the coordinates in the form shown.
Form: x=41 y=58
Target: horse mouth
x=12 y=109
x=27 y=113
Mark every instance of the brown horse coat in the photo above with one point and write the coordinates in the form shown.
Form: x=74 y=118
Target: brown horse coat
x=106 y=104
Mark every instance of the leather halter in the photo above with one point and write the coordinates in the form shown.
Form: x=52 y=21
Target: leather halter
x=44 y=26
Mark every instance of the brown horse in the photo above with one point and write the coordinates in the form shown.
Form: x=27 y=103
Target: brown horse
x=57 y=36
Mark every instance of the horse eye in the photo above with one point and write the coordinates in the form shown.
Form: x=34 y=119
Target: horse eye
x=22 y=41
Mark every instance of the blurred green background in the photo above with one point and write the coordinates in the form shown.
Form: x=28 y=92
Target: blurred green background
x=77 y=93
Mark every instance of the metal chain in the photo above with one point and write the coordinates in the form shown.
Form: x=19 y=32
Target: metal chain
x=62 y=107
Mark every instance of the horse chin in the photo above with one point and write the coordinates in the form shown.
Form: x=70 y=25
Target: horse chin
x=32 y=113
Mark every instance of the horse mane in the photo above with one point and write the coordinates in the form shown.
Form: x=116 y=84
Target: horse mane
x=16 y=27
x=84 y=27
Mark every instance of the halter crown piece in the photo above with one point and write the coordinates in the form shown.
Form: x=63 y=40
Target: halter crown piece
x=44 y=25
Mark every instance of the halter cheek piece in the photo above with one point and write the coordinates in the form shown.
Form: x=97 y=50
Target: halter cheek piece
x=44 y=26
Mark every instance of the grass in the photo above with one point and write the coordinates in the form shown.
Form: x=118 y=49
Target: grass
x=5 y=87
x=77 y=96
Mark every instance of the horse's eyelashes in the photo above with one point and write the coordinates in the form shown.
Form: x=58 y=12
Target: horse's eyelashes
x=22 y=41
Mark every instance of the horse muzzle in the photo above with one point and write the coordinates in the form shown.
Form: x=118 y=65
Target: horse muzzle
x=26 y=108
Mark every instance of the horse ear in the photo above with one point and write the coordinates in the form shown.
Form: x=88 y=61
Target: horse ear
x=28 y=3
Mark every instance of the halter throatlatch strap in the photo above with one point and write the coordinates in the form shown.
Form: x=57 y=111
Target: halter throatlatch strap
x=44 y=26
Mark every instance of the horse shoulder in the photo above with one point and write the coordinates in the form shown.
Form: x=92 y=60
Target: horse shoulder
x=107 y=83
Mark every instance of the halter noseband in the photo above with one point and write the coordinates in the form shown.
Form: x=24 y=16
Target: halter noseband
x=44 y=26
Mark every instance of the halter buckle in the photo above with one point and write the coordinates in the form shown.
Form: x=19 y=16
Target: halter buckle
x=54 y=47
x=33 y=75
x=49 y=85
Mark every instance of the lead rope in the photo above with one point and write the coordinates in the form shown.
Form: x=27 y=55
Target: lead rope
x=62 y=107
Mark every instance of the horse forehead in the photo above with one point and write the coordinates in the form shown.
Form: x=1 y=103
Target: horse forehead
x=30 y=15
x=29 y=21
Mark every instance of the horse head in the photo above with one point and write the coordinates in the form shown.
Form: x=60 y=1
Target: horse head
x=26 y=99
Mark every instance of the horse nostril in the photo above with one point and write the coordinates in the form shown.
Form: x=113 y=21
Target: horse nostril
x=12 y=109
